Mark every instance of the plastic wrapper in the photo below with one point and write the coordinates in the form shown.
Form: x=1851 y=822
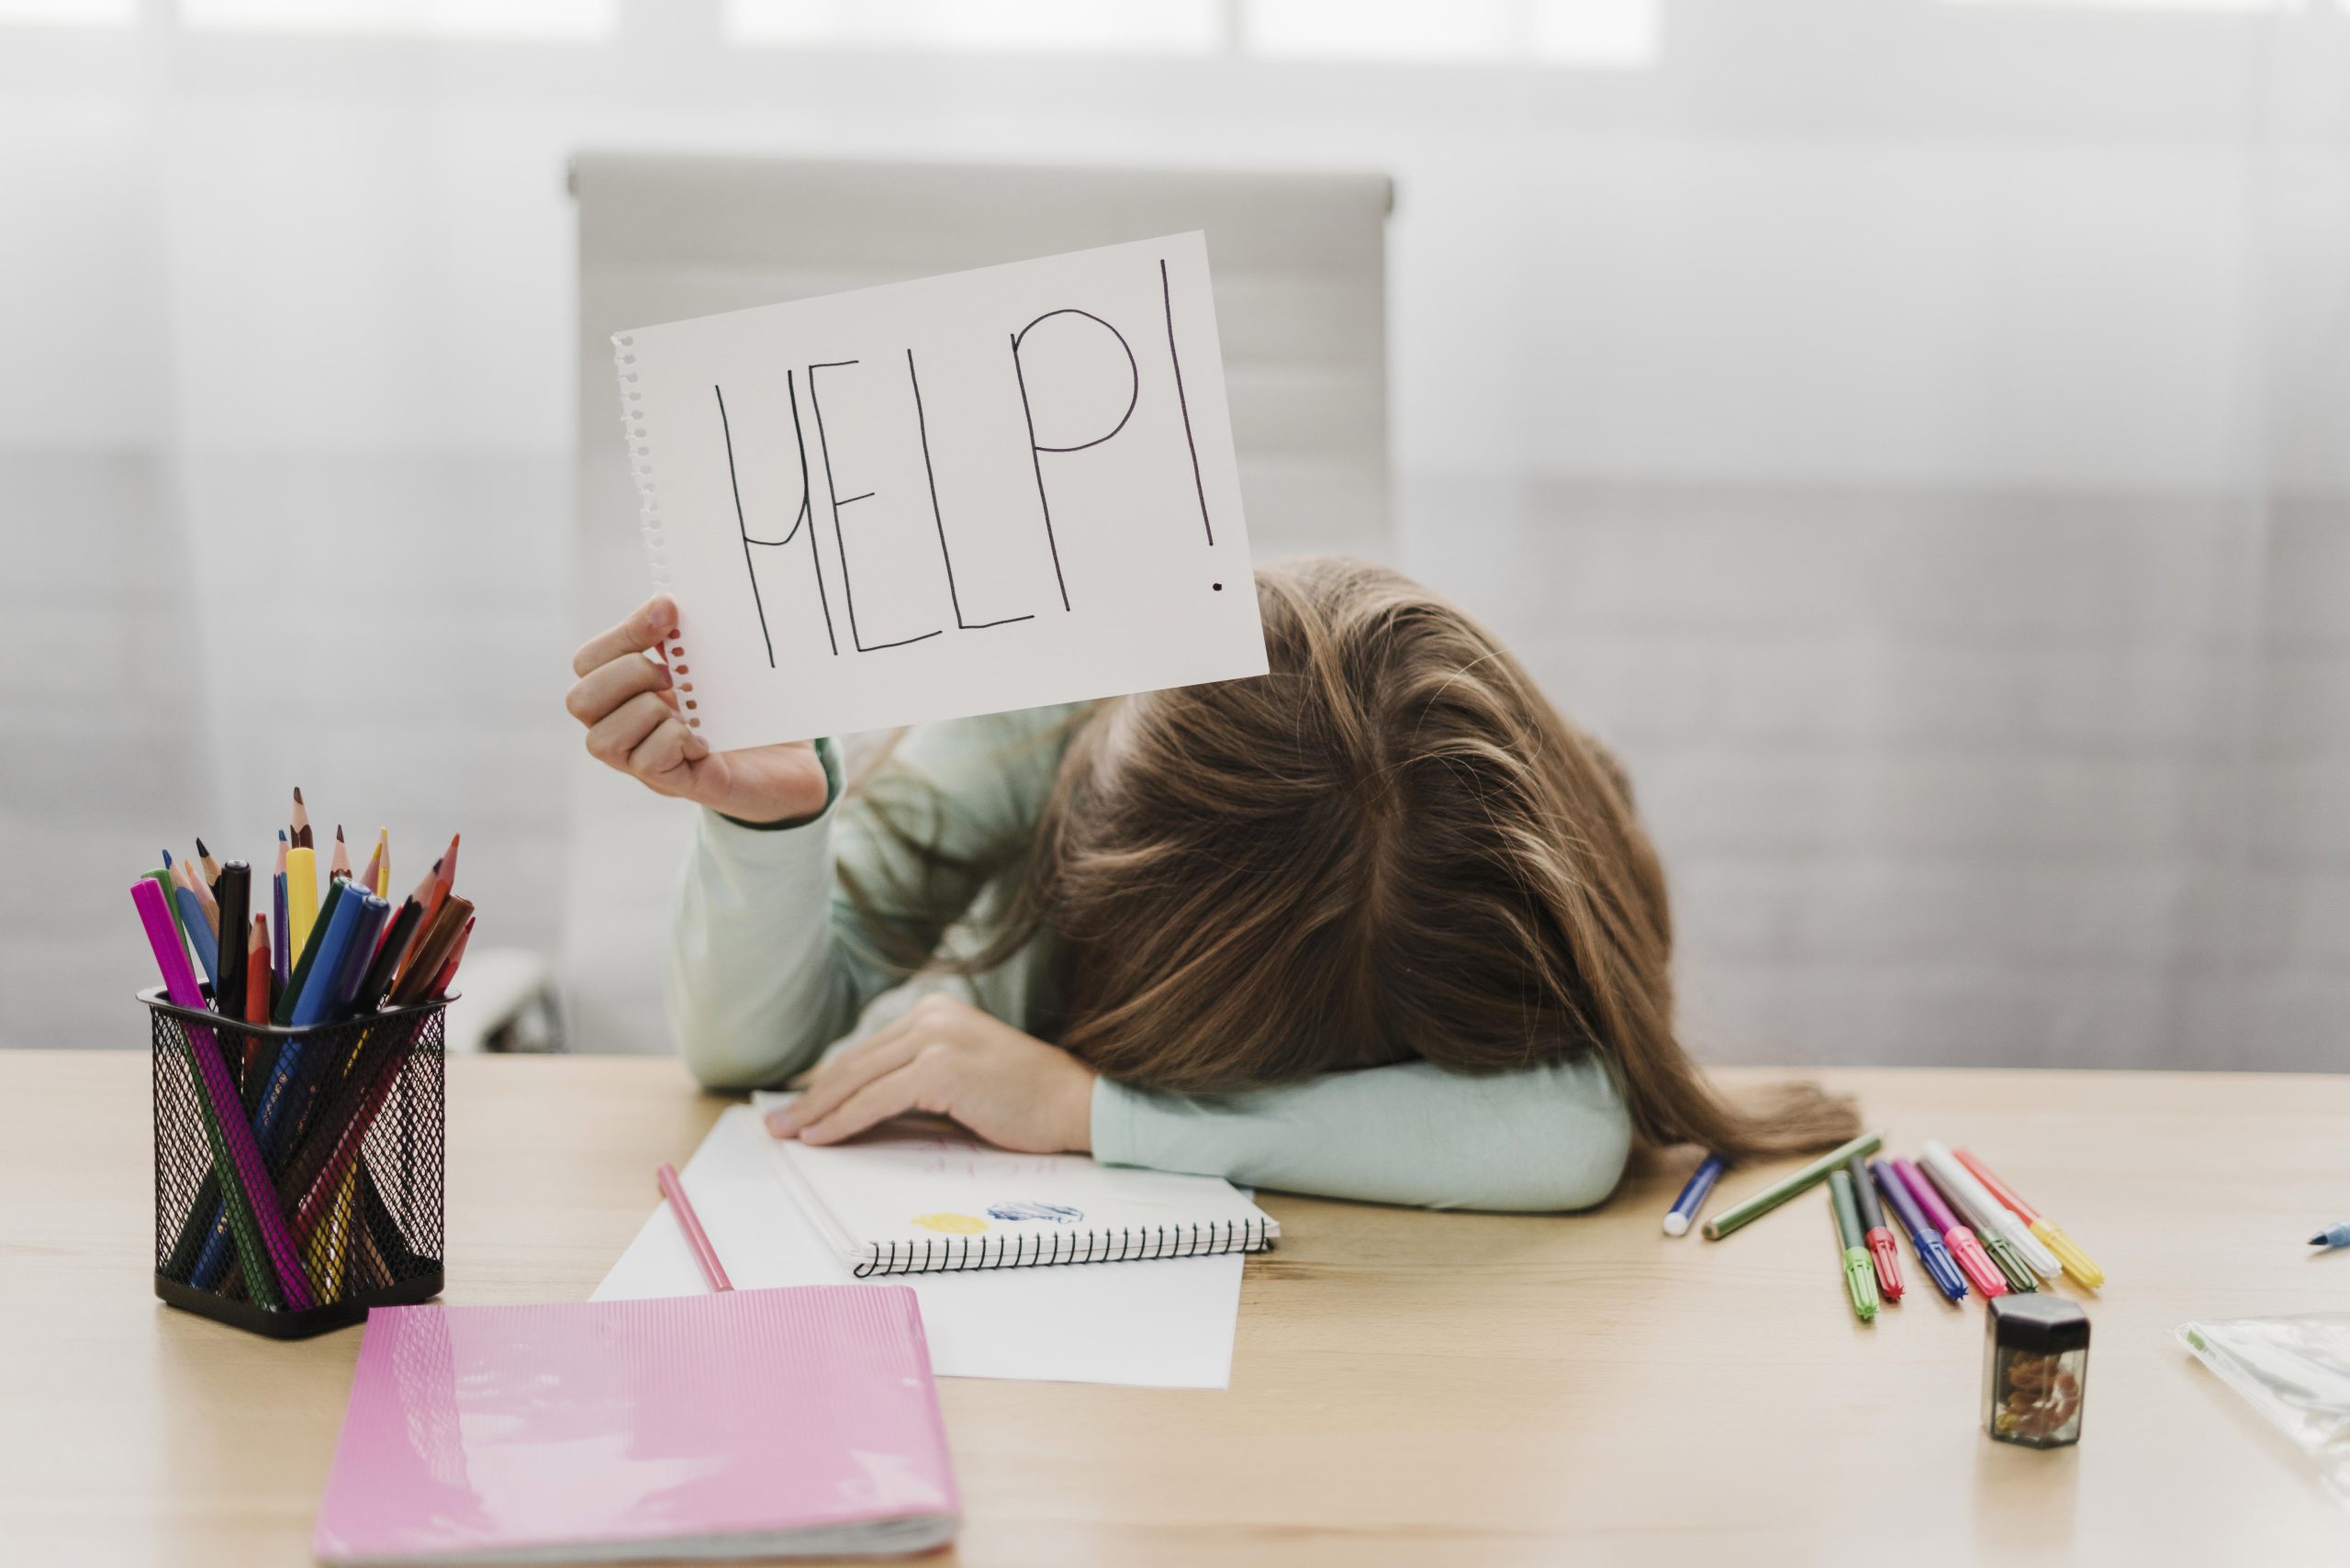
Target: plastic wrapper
x=2296 y=1372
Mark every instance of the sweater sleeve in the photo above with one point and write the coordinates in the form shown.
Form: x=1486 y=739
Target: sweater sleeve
x=1541 y=1139
x=770 y=961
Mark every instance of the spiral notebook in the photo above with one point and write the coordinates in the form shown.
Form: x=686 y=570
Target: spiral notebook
x=796 y=1422
x=919 y=1196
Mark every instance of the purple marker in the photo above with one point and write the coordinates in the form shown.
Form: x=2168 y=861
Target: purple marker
x=1923 y=1239
x=1964 y=1251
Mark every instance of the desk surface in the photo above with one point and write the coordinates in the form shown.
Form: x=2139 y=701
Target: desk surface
x=1407 y=1387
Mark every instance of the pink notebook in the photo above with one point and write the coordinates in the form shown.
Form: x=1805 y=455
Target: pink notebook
x=796 y=1422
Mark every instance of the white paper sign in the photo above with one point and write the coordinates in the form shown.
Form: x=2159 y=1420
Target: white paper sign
x=991 y=490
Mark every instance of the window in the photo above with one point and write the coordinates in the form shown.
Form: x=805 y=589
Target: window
x=1553 y=32
x=71 y=13
x=1061 y=26
x=579 y=21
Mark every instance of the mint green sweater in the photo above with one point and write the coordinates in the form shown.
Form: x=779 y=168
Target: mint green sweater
x=770 y=964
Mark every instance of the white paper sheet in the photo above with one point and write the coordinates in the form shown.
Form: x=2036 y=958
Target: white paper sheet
x=1167 y=1322
x=994 y=489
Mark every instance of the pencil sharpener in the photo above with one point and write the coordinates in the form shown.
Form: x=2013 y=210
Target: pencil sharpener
x=2035 y=1369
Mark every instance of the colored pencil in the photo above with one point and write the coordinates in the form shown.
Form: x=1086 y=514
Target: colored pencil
x=682 y=1209
x=430 y=951
x=211 y=867
x=1741 y=1215
x=198 y=932
x=374 y=876
x=281 y=955
x=448 y=975
x=257 y=982
x=435 y=893
x=185 y=873
x=339 y=865
x=301 y=878
x=377 y=983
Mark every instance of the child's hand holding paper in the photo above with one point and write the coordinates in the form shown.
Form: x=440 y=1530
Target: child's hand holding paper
x=629 y=703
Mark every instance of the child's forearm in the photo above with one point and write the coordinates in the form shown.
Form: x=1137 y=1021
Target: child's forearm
x=1541 y=1140
x=758 y=981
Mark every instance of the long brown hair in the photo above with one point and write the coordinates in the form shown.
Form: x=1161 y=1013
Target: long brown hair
x=1391 y=846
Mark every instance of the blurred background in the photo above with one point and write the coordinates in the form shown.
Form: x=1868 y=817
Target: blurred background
x=1911 y=432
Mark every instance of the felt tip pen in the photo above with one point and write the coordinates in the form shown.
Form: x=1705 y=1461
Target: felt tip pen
x=2078 y=1263
x=2004 y=1257
x=1926 y=1241
x=2003 y=1219
x=1739 y=1215
x=1886 y=1257
x=2339 y=1236
x=1693 y=1195
x=1859 y=1274
x=1964 y=1251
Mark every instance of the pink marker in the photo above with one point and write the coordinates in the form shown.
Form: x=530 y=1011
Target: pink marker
x=1964 y=1249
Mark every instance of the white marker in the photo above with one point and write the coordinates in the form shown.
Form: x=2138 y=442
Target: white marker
x=2000 y=1219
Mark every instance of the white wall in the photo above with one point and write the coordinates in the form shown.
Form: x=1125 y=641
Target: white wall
x=1873 y=416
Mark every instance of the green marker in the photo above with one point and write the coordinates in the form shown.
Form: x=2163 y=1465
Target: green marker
x=2010 y=1262
x=1770 y=1198
x=1860 y=1269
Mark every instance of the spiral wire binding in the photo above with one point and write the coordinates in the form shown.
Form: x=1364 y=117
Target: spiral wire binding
x=952 y=1254
x=640 y=465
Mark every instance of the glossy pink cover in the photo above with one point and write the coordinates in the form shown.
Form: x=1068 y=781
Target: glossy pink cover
x=596 y=1427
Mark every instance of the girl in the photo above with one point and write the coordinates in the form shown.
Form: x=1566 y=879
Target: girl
x=1379 y=925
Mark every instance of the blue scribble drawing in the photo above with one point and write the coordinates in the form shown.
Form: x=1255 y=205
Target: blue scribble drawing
x=1058 y=1213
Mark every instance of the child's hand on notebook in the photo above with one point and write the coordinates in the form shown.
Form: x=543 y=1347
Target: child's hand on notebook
x=947 y=1057
x=629 y=703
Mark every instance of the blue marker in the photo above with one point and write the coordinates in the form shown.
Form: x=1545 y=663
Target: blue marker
x=2338 y=1237
x=1923 y=1238
x=1693 y=1196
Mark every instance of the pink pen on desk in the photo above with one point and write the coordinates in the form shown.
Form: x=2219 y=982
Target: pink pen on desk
x=1964 y=1251
x=690 y=1223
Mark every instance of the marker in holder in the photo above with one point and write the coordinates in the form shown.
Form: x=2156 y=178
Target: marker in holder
x=345 y=1212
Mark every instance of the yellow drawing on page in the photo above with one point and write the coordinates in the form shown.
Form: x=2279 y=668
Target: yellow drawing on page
x=953 y=1225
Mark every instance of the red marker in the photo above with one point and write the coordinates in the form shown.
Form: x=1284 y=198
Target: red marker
x=1880 y=1238
x=1964 y=1251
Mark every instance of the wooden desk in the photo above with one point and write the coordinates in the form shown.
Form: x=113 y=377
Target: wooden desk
x=1408 y=1388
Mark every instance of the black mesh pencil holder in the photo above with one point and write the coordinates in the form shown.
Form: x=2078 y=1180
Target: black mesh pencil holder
x=298 y=1171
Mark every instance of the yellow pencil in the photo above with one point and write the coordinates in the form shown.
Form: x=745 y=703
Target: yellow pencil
x=383 y=862
x=301 y=880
